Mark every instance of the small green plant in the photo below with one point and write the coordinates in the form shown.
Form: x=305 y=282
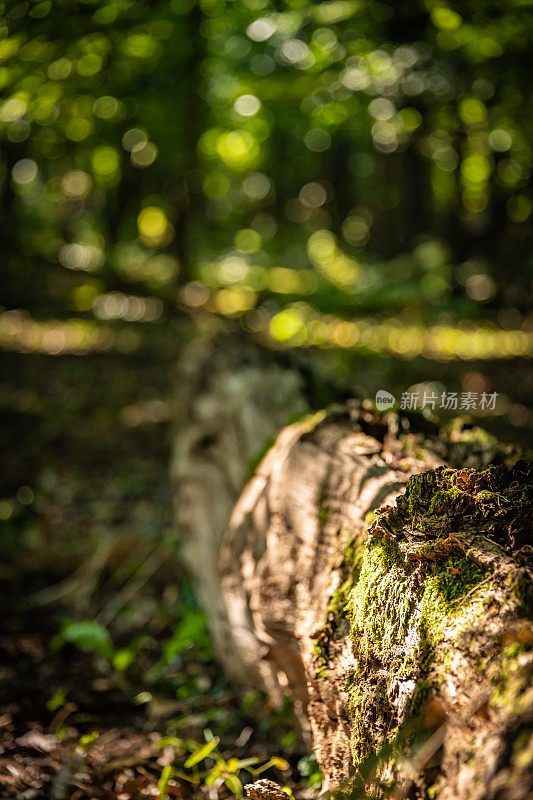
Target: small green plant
x=190 y=632
x=162 y=784
x=206 y=766
x=86 y=741
x=309 y=769
x=89 y=636
x=58 y=699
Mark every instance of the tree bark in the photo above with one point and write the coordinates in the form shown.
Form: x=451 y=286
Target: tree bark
x=388 y=593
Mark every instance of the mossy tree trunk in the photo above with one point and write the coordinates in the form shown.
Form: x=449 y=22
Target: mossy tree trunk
x=379 y=570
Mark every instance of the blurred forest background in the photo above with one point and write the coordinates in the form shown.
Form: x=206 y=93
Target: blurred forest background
x=349 y=181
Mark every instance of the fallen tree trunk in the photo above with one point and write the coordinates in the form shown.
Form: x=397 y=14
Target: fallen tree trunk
x=401 y=629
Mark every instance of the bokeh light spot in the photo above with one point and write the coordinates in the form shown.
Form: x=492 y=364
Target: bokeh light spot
x=286 y=325
x=256 y=186
x=154 y=227
x=261 y=29
x=247 y=105
x=25 y=171
x=106 y=164
x=247 y=240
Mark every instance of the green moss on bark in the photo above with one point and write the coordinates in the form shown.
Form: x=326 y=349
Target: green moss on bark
x=398 y=618
x=416 y=587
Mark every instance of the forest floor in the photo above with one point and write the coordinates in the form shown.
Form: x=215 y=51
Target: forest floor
x=72 y=728
x=108 y=685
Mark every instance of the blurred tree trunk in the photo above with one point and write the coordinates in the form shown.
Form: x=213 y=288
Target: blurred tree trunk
x=230 y=404
x=404 y=636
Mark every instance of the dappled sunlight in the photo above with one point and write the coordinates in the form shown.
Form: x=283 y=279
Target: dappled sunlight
x=24 y=335
x=301 y=325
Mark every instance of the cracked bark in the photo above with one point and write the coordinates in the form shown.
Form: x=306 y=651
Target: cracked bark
x=282 y=584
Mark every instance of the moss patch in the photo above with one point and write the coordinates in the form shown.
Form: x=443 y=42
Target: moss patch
x=414 y=589
x=445 y=500
x=398 y=617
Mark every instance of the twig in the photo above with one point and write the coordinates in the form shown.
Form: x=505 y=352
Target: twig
x=148 y=568
x=460 y=600
x=72 y=584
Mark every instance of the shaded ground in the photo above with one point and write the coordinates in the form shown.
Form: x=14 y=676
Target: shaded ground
x=71 y=727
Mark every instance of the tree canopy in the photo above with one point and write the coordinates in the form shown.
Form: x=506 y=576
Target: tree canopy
x=344 y=173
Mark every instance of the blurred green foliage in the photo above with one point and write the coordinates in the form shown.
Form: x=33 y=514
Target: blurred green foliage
x=309 y=769
x=89 y=636
x=271 y=162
